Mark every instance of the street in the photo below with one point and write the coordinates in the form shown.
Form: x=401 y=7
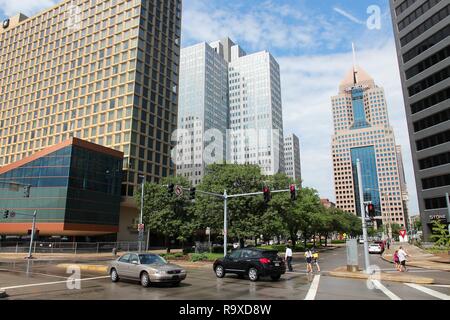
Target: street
x=45 y=280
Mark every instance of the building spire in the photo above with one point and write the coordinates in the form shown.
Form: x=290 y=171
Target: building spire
x=355 y=71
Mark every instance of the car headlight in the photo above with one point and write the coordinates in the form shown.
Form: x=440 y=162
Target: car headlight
x=182 y=271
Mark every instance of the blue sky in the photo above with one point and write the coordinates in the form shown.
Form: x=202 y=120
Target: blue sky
x=311 y=40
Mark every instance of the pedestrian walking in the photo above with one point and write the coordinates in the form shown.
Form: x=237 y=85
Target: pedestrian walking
x=308 y=256
x=396 y=261
x=388 y=243
x=315 y=256
x=402 y=254
x=288 y=257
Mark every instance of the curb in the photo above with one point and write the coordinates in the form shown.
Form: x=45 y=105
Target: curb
x=381 y=276
x=412 y=264
x=85 y=267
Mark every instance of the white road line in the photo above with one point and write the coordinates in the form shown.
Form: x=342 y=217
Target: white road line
x=429 y=291
x=441 y=285
x=385 y=290
x=51 y=283
x=311 y=295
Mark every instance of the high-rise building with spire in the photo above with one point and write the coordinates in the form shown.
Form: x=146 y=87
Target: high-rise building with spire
x=362 y=131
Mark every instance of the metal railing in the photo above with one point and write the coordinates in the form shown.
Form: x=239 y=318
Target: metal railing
x=67 y=247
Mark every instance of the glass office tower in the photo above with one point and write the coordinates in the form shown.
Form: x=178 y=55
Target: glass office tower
x=362 y=131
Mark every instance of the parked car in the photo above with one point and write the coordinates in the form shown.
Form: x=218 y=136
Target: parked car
x=361 y=241
x=254 y=262
x=146 y=268
x=375 y=248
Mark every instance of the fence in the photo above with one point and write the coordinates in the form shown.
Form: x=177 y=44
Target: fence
x=67 y=247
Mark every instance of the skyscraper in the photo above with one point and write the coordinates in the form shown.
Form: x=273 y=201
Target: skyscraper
x=422 y=35
x=239 y=97
x=255 y=114
x=362 y=131
x=102 y=71
x=203 y=110
x=292 y=157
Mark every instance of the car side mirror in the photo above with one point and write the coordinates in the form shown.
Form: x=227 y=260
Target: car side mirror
x=134 y=262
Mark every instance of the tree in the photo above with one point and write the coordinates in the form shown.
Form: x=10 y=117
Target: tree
x=440 y=234
x=245 y=214
x=167 y=214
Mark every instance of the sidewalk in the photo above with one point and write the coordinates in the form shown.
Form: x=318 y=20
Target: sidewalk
x=107 y=256
x=419 y=258
x=342 y=272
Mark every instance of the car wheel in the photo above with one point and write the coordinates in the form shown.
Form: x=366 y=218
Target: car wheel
x=145 y=279
x=276 y=277
x=220 y=272
x=253 y=274
x=114 y=275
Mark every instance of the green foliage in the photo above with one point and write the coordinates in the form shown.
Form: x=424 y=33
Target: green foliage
x=440 y=234
x=194 y=257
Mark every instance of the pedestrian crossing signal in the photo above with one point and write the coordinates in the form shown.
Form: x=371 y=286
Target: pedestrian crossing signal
x=371 y=210
x=6 y=214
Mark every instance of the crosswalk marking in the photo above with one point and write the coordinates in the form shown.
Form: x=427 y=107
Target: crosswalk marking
x=311 y=295
x=385 y=290
x=51 y=283
x=429 y=291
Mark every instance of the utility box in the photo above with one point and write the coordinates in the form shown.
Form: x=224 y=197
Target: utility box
x=352 y=255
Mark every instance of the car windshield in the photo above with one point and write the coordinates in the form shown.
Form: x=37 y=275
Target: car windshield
x=151 y=259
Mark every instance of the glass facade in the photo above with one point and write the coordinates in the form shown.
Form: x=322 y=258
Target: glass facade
x=72 y=185
x=366 y=156
x=358 y=109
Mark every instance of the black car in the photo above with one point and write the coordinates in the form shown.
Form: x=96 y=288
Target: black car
x=253 y=262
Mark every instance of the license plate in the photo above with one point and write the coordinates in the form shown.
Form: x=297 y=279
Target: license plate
x=277 y=264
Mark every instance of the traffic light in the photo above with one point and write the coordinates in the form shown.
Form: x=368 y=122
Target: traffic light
x=293 y=192
x=6 y=214
x=26 y=191
x=192 y=193
x=170 y=188
x=266 y=192
x=371 y=210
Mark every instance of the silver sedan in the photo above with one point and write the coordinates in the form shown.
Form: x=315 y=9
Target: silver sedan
x=146 y=268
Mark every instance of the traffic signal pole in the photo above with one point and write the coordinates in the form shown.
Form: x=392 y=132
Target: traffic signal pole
x=363 y=216
x=33 y=230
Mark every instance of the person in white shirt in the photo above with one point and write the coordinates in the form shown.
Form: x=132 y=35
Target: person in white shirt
x=402 y=258
x=308 y=256
x=288 y=257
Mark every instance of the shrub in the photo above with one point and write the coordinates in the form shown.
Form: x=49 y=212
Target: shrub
x=194 y=257
x=179 y=255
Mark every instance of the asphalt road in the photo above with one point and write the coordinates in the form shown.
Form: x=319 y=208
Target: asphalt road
x=46 y=281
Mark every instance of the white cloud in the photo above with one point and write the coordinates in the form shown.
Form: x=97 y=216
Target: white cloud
x=27 y=7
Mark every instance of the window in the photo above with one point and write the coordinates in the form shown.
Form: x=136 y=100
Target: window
x=430 y=101
x=428 y=62
x=431 y=141
x=435 y=203
x=434 y=161
x=432 y=120
x=429 y=81
x=427 y=43
x=416 y=13
x=236 y=254
x=125 y=258
x=403 y=6
x=436 y=181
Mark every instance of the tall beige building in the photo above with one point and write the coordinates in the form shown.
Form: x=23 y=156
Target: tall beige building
x=362 y=131
x=105 y=71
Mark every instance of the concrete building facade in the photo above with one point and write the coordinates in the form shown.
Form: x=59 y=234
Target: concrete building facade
x=422 y=36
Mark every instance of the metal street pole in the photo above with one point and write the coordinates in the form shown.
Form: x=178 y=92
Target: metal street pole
x=225 y=223
x=141 y=232
x=33 y=227
x=448 y=211
x=363 y=216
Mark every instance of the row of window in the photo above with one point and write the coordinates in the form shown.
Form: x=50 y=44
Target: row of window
x=424 y=26
x=410 y=18
x=432 y=120
x=434 y=140
x=434 y=161
x=429 y=81
x=428 y=62
x=436 y=181
x=431 y=100
x=427 y=43
x=435 y=203
x=403 y=6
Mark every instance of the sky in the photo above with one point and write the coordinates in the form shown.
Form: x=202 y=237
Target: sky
x=311 y=40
